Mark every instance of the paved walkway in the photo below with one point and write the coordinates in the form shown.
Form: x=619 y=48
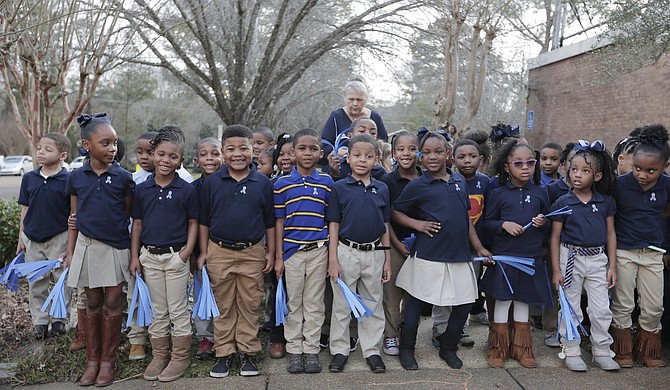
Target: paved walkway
x=433 y=373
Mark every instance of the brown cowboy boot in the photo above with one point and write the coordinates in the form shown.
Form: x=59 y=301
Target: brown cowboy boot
x=79 y=341
x=93 y=349
x=111 y=333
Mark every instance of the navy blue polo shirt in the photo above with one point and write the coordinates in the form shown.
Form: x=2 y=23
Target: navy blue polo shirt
x=639 y=220
x=101 y=212
x=302 y=201
x=237 y=211
x=164 y=211
x=377 y=172
x=361 y=211
x=446 y=202
x=516 y=204
x=587 y=225
x=556 y=190
x=197 y=184
x=48 y=205
x=396 y=184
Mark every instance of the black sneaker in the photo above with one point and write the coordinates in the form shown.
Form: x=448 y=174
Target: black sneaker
x=222 y=367
x=323 y=341
x=57 y=328
x=41 y=331
x=295 y=363
x=353 y=344
x=248 y=365
x=312 y=363
x=338 y=363
x=376 y=364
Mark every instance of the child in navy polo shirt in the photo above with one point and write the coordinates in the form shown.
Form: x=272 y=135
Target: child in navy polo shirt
x=550 y=161
x=300 y=207
x=439 y=270
x=161 y=255
x=339 y=168
x=237 y=211
x=518 y=200
x=98 y=252
x=43 y=228
x=581 y=244
x=210 y=160
x=358 y=215
x=642 y=198
x=405 y=147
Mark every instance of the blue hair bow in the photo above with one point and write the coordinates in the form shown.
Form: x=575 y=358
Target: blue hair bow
x=501 y=131
x=99 y=117
x=584 y=146
x=423 y=131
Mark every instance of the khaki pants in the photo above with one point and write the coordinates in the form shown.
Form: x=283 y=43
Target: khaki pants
x=393 y=296
x=305 y=275
x=39 y=290
x=166 y=277
x=237 y=282
x=641 y=269
x=362 y=272
x=589 y=273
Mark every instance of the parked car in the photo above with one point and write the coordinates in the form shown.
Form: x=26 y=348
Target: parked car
x=77 y=163
x=17 y=165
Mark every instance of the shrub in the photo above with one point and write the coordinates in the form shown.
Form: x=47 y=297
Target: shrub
x=10 y=212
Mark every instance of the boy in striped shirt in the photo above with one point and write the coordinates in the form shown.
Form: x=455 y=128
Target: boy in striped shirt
x=300 y=206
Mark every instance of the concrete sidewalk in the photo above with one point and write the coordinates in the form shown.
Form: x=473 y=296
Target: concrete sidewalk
x=433 y=373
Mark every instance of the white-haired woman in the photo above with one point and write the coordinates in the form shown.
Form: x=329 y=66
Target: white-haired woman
x=356 y=97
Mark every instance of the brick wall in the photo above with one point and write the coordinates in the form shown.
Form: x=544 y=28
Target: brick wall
x=571 y=101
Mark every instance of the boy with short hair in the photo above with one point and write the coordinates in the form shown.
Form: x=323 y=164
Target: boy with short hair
x=263 y=138
x=43 y=225
x=358 y=214
x=237 y=211
x=302 y=233
x=339 y=168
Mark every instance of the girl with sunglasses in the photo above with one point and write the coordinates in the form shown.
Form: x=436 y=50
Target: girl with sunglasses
x=518 y=200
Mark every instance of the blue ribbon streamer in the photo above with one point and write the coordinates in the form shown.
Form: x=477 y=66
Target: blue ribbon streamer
x=409 y=242
x=523 y=264
x=9 y=278
x=281 y=310
x=205 y=305
x=562 y=211
x=571 y=329
x=141 y=298
x=340 y=141
x=34 y=270
x=355 y=301
x=57 y=298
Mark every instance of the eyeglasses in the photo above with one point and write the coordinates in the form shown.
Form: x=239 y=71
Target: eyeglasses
x=520 y=163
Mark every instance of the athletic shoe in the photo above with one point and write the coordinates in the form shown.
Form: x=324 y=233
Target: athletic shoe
x=391 y=346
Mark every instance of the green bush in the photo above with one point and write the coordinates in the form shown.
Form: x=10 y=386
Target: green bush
x=10 y=212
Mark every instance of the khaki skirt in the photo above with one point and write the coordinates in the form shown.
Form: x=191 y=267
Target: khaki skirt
x=438 y=283
x=96 y=264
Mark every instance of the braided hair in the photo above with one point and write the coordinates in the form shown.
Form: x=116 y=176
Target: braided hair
x=169 y=134
x=653 y=139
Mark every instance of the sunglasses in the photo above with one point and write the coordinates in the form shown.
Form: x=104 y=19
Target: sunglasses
x=520 y=163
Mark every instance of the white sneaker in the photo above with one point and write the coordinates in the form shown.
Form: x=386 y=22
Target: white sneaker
x=575 y=363
x=391 y=346
x=606 y=363
x=550 y=340
x=482 y=318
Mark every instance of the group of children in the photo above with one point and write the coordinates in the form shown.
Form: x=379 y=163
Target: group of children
x=404 y=239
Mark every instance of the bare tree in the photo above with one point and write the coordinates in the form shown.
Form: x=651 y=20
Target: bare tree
x=242 y=56
x=53 y=54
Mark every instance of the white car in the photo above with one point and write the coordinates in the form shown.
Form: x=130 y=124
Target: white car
x=77 y=163
x=17 y=165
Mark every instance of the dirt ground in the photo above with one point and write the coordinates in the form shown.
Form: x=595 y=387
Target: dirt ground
x=15 y=322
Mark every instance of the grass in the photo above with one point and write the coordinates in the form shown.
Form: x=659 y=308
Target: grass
x=51 y=361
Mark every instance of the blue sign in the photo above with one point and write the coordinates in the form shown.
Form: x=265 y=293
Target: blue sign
x=531 y=119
